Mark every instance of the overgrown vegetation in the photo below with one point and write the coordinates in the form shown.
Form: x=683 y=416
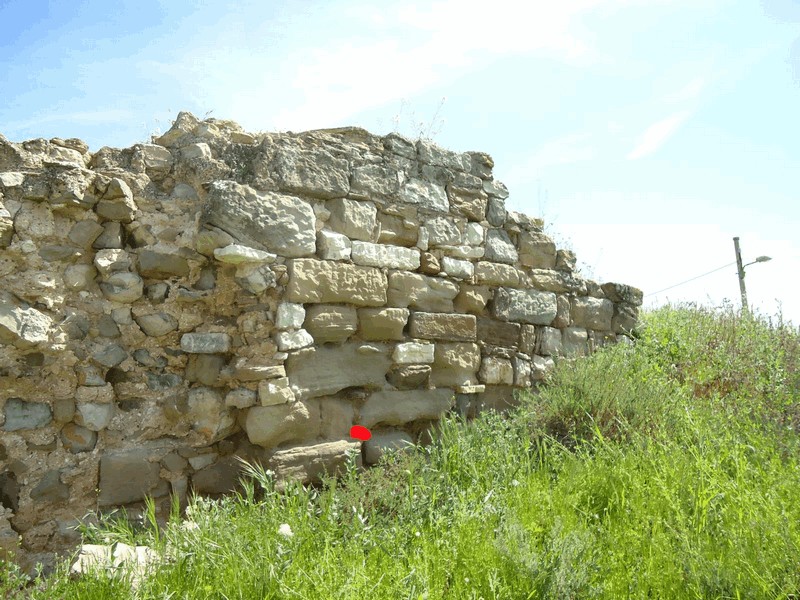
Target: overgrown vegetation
x=669 y=468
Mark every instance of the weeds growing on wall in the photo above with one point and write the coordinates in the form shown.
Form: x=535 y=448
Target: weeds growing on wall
x=666 y=469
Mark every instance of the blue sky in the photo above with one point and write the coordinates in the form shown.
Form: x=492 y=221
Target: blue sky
x=647 y=133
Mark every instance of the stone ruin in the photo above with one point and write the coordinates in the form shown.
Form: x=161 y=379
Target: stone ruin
x=167 y=308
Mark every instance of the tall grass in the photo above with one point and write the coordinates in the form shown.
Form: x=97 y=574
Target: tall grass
x=665 y=469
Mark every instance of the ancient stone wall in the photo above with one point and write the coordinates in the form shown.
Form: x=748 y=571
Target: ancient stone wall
x=168 y=307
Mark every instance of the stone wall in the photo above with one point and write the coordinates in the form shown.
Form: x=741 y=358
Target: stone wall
x=168 y=307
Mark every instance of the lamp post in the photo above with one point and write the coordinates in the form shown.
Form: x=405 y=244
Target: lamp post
x=741 y=267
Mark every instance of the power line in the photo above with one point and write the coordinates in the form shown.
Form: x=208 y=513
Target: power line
x=688 y=280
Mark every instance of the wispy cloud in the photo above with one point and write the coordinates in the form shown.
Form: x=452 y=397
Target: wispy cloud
x=657 y=135
x=568 y=149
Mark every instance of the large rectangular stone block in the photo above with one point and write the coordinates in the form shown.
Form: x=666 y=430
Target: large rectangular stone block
x=331 y=323
x=537 y=250
x=382 y=323
x=382 y=255
x=498 y=333
x=525 y=306
x=490 y=273
x=320 y=281
x=455 y=364
x=421 y=292
x=442 y=326
x=400 y=407
x=353 y=218
x=592 y=313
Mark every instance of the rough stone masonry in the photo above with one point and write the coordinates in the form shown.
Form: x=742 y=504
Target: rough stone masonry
x=169 y=307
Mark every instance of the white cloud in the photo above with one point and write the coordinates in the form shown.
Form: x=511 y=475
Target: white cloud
x=657 y=135
x=568 y=149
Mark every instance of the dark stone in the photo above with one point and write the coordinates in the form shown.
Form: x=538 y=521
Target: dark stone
x=129 y=477
x=51 y=488
x=26 y=415
x=409 y=377
x=498 y=333
x=78 y=439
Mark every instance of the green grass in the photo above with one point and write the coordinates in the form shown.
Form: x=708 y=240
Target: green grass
x=666 y=469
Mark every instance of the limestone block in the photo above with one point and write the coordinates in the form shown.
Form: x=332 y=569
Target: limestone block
x=496 y=371
x=117 y=203
x=336 y=416
x=556 y=281
x=317 y=281
x=522 y=371
x=208 y=240
x=618 y=292
x=208 y=414
x=592 y=313
x=378 y=324
x=325 y=370
x=268 y=426
x=20 y=324
x=309 y=464
x=495 y=188
x=473 y=299
x=425 y=194
x=156 y=324
x=397 y=230
x=111 y=236
x=50 y=489
x=241 y=398
x=11 y=179
x=77 y=439
x=537 y=250
x=575 y=341
x=421 y=292
x=429 y=264
x=625 y=318
x=94 y=416
x=500 y=248
x=442 y=326
x=333 y=246
x=565 y=261
x=494 y=274
x=563 y=317
x=401 y=407
x=293 y=340
x=264 y=220
x=110 y=261
x=205 y=343
x=525 y=306
x=496 y=212
x=6 y=231
x=381 y=443
x=290 y=315
x=275 y=391
x=469 y=203
x=374 y=182
x=162 y=265
x=409 y=377
x=381 y=255
x=458 y=269
x=549 y=342
x=236 y=254
x=413 y=353
x=204 y=368
x=355 y=219
x=498 y=333
x=328 y=323
x=255 y=278
x=311 y=172
x=196 y=151
x=129 y=477
x=253 y=371
x=430 y=153
x=443 y=231
x=157 y=159
x=84 y=233
x=474 y=234
x=20 y=414
x=528 y=339
x=541 y=366
x=455 y=364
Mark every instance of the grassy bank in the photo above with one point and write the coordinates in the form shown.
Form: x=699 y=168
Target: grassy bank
x=665 y=469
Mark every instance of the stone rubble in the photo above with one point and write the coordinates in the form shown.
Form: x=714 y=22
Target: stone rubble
x=214 y=294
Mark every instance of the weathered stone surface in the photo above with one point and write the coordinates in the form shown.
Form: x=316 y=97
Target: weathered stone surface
x=493 y=274
x=310 y=463
x=156 y=324
x=556 y=281
x=397 y=230
x=268 y=426
x=498 y=333
x=500 y=248
x=496 y=371
x=333 y=324
x=618 y=292
x=110 y=355
x=205 y=343
x=275 y=391
x=355 y=219
x=326 y=370
x=204 y=368
x=575 y=341
x=592 y=313
x=84 y=233
x=496 y=212
x=333 y=246
x=293 y=340
x=413 y=353
x=208 y=414
x=442 y=231
x=373 y=182
x=381 y=255
x=263 y=220
x=463 y=252
x=442 y=326
x=400 y=407
x=469 y=203
x=425 y=194
x=50 y=489
x=117 y=203
x=549 y=342
x=565 y=261
x=625 y=318
x=409 y=377
x=290 y=315
x=421 y=292
x=250 y=371
x=93 y=416
x=236 y=254
x=378 y=324
x=381 y=443
x=541 y=366
x=311 y=172
x=525 y=306
x=110 y=261
x=220 y=478
x=26 y=415
x=162 y=265
x=537 y=250
x=317 y=281
x=21 y=324
x=522 y=371
x=563 y=317
x=129 y=477
x=77 y=439
x=110 y=238
x=473 y=299
x=241 y=398
x=455 y=364
x=459 y=269
x=429 y=264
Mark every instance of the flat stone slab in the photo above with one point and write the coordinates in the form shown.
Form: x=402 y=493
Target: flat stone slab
x=525 y=306
x=325 y=282
x=401 y=407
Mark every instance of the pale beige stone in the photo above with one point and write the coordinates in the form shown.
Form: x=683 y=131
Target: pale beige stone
x=268 y=426
x=455 y=364
x=328 y=323
x=473 y=299
x=318 y=281
x=378 y=324
x=275 y=391
x=400 y=407
x=442 y=326
x=308 y=464
x=496 y=371
x=421 y=292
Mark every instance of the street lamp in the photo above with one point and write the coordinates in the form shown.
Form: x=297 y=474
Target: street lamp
x=741 y=267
